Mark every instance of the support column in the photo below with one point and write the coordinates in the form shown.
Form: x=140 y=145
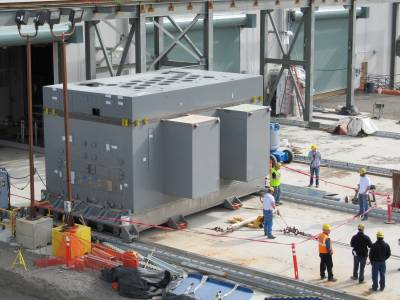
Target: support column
x=351 y=59
x=140 y=43
x=57 y=66
x=263 y=51
x=90 y=50
x=158 y=41
x=208 y=40
x=393 y=62
x=309 y=34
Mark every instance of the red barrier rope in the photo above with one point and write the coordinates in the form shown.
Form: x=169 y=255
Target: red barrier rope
x=333 y=183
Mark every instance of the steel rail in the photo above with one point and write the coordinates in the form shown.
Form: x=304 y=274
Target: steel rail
x=261 y=280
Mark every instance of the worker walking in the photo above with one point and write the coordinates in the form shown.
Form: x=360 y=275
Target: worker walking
x=314 y=157
x=360 y=243
x=325 y=252
x=363 y=188
x=268 y=209
x=380 y=252
x=275 y=182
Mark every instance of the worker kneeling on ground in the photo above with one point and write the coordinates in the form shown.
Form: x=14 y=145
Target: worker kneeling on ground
x=380 y=252
x=363 y=188
x=360 y=243
x=325 y=252
x=276 y=182
x=315 y=163
x=268 y=209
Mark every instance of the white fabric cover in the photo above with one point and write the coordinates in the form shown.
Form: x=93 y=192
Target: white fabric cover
x=358 y=123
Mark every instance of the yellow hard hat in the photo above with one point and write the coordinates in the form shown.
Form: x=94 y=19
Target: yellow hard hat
x=313 y=147
x=278 y=165
x=271 y=189
x=362 y=171
x=379 y=234
x=361 y=226
x=326 y=227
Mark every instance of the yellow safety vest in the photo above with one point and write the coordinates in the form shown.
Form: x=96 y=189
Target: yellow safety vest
x=277 y=180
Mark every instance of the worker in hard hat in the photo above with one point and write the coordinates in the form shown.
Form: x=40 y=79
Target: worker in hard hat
x=380 y=252
x=275 y=182
x=363 y=188
x=314 y=156
x=268 y=209
x=325 y=252
x=360 y=243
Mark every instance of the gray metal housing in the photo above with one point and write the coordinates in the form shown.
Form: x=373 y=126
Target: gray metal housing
x=123 y=144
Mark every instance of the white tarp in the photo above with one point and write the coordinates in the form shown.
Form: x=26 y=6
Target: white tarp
x=358 y=124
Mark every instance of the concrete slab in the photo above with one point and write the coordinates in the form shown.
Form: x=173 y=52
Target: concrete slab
x=277 y=258
x=365 y=102
x=34 y=234
x=370 y=150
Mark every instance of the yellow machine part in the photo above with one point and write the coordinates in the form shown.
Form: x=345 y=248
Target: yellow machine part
x=80 y=237
x=235 y=220
x=257 y=223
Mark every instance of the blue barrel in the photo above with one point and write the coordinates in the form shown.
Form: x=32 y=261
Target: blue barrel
x=274 y=134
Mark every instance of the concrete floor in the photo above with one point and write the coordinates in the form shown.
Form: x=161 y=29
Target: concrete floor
x=277 y=258
x=364 y=103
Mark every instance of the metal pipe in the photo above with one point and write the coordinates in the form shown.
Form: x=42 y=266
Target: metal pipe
x=30 y=125
x=66 y=128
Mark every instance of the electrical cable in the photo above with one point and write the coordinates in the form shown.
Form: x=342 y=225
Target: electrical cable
x=41 y=179
x=20 y=188
x=19 y=178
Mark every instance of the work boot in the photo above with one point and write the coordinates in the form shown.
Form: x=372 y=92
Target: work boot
x=323 y=277
x=317 y=186
x=271 y=237
x=310 y=185
x=354 y=277
x=332 y=279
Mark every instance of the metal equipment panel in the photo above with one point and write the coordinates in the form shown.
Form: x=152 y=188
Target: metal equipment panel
x=243 y=134
x=191 y=146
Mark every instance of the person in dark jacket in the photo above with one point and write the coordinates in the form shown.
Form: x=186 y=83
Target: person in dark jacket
x=360 y=243
x=380 y=252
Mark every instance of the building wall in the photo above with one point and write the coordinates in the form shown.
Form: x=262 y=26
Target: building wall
x=372 y=46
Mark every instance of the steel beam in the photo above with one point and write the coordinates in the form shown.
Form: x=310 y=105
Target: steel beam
x=90 y=49
x=351 y=57
x=394 y=34
x=264 y=52
x=140 y=43
x=176 y=41
x=185 y=37
x=104 y=50
x=128 y=43
x=309 y=38
x=57 y=67
x=287 y=62
x=158 y=40
x=208 y=37
x=168 y=49
x=178 y=64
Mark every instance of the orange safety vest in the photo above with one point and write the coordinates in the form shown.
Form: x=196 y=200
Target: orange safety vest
x=322 y=237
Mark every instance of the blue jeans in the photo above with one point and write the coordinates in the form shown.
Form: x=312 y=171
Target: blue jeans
x=359 y=261
x=363 y=203
x=268 y=222
x=277 y=193
x=378 y=268
x=314 y=171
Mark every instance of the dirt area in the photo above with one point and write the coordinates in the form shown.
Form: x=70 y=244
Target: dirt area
x=364 y=103
x=47 y=283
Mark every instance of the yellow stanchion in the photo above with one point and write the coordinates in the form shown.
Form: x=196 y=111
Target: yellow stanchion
x=19 y=260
